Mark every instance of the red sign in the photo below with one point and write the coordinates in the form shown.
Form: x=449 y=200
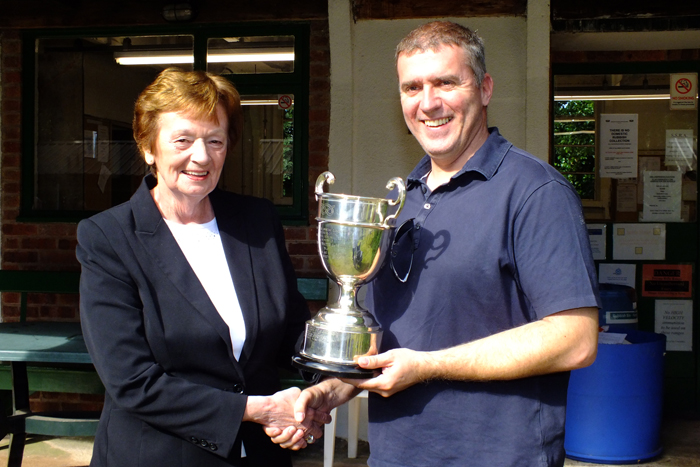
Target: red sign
x=683 y=89
x=684 y=86
x=284 y=102
x=667 y=280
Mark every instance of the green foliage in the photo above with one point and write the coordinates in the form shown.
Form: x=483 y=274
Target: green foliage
x=574 y=145
x=574 y=108
x=584 y=184
x=288 y=152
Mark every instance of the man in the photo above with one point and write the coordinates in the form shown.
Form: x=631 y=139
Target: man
x=489 y=298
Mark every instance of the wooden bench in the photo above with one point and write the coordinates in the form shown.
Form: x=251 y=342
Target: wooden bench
x=79 y=378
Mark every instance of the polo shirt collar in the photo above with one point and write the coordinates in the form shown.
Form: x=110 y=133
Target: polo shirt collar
x=486 y=160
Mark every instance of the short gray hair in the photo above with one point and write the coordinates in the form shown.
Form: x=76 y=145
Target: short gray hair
x=436 y=34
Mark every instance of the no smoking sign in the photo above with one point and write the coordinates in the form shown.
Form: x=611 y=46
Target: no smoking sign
x=683 y=90
x=684 y=86
x=284 y=102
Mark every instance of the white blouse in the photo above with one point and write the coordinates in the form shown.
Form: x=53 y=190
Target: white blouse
x=201 y=244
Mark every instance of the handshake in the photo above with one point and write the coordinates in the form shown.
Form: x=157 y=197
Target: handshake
x=294 y=418
x=288 y=417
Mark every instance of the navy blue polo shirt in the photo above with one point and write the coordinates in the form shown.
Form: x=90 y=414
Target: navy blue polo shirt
x=504 y=243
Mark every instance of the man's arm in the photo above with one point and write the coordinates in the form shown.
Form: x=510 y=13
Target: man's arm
x=559 y=342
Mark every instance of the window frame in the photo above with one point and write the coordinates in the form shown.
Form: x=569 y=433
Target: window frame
x=296 y=82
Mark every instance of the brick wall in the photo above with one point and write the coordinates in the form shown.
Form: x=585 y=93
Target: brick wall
x=51 y=246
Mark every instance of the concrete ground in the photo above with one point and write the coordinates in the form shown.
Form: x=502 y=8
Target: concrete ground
x=680 y=440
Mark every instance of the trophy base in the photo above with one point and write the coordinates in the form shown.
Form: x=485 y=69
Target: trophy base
x=332 y=369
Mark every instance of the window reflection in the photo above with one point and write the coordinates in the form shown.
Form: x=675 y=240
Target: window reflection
x=666 y=143
x=85 y=156
x=251 y=55
x=263 y=164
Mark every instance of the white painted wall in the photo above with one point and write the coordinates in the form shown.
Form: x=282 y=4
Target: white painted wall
x=369 y=141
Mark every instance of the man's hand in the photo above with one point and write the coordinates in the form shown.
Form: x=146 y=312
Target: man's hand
x=313 y=404
x=276 y=414
x=400 y=369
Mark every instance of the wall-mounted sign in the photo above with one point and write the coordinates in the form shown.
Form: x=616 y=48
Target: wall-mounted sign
x=667 y=280
x=639 y=241
x=684 y=87
x=662 y=196
x=596 y=235
x=679 y=150
x=674 y=318
x=617 y=273
x=284 y=102
x=618 y=145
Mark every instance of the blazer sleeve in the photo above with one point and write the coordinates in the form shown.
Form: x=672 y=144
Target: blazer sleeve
x=111 y=312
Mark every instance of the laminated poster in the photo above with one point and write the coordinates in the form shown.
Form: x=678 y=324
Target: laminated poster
x=667 y=280
x=679 y=150
x=617 y=273
x=596 y=235
x=639 y=241
x=674 y=318
x=618 y=145
x=683 y=90
x=662 y=196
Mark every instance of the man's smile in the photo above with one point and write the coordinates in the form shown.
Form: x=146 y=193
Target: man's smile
x=438 y=122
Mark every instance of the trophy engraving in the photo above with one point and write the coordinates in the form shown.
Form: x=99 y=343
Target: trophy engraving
x=353 y=238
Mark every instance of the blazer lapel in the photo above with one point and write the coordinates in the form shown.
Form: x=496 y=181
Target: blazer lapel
x=159 y=242
x=234 y=236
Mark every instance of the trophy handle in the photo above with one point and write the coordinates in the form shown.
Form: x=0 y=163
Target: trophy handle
x=325 y=177
x=396 y=182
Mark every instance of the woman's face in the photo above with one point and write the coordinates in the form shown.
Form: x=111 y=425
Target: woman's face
x=189 y=155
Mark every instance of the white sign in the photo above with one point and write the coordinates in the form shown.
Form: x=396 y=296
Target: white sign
x=662 y=196
x=674 y=318
x=679 y=150
x=618 y=145
x=684 y=87
x=596 y=235
x=639 y=241
x=626 y=197
x=622 y=274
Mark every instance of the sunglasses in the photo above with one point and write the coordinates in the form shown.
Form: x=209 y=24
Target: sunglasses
x=402 y=247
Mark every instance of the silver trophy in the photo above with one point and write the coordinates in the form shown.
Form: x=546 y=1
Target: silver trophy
x=353 y=238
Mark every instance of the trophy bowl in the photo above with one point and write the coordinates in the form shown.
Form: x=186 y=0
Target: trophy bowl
x=353 y=238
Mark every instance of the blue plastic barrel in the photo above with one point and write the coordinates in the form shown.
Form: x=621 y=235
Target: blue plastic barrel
x=614 y=408
x=619 y=311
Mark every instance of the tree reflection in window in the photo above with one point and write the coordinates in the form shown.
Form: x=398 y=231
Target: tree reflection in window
x=574 y=144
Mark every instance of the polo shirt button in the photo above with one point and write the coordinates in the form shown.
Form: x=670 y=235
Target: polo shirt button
x=213 y=447
x=194 y=440
x=237 y=388
x=426 y=205
x=204 y=443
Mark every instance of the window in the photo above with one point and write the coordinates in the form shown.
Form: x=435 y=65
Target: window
x=627 y=148
x=79 y=156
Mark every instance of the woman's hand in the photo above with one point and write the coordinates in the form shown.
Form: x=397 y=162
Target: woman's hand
x=276 y=414
x=314 y=404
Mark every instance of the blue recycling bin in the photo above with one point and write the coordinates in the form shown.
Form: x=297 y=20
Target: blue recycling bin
x=614 y=407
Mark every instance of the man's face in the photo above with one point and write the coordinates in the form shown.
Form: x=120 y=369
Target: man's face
x=442 y=105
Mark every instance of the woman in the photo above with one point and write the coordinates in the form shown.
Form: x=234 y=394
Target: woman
x=188 y=298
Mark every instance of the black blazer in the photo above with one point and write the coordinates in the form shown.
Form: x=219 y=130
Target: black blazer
x=175 y=394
